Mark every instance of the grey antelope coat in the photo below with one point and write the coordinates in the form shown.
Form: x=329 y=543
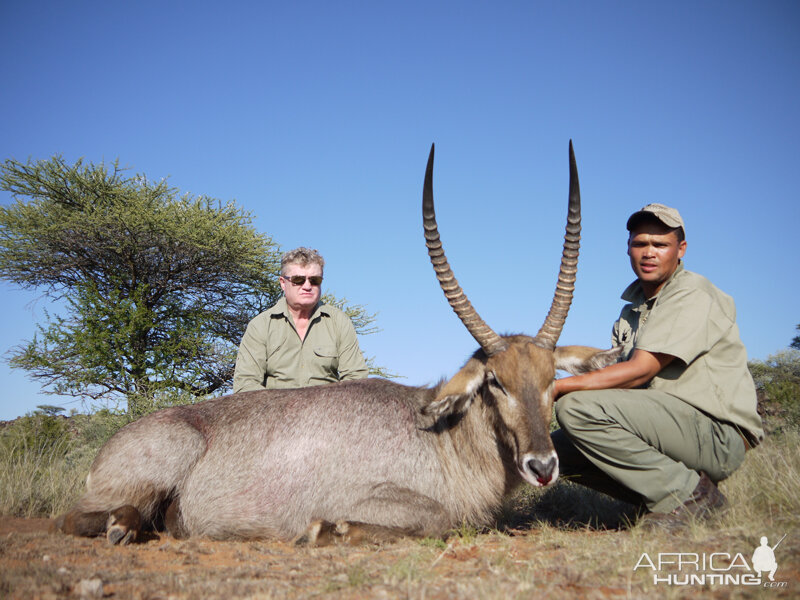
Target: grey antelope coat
x=364 y=460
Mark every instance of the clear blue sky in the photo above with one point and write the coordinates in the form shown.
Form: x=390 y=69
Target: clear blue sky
x=317 y=117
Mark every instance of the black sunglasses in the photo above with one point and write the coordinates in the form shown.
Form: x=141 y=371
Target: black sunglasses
x=301 y=279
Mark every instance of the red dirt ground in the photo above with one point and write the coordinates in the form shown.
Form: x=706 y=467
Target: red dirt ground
x=38 y=565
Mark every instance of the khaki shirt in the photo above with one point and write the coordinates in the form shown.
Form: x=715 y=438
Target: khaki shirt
x=272 y=355
x=695 y=322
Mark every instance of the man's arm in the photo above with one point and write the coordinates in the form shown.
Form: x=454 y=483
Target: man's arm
x=251 y=361
x=636 y=371
x=351 y=360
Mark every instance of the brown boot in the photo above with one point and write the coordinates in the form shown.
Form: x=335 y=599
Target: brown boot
x=705 y=501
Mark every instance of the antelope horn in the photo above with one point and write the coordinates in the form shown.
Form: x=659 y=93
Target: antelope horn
x=483 y=334
x=551 y=329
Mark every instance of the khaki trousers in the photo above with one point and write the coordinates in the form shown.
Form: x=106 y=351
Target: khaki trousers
x=642 y=446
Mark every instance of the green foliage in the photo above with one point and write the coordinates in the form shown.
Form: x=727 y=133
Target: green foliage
x=157 y=287
x=364 y=324
x=466 y=531
x=778 y=378
x=143 y=404
x=29 y=449
x=777 y=372
x=49 y=409
x=44 y=459
x=40 y=431
x=796 y=340
x=93 y=430
x=436 y=543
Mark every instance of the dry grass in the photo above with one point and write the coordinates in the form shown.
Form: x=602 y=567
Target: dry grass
x=44 y=460
x=40 y=481
x=766 y=490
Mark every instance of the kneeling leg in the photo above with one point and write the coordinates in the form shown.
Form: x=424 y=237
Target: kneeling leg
x=388 y=513
x=353 y=533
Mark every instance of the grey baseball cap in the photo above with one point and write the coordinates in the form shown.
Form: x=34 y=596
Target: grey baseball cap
x=666 y=214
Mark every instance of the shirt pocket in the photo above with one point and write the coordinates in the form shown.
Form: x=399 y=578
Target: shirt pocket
x=328 y=358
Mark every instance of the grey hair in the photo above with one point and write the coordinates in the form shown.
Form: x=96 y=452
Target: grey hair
x=301 y=256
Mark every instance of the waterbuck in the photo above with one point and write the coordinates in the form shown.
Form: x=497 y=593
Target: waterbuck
x=363 y=460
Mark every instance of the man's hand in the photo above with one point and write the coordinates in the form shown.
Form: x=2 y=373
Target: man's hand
x=632 y=373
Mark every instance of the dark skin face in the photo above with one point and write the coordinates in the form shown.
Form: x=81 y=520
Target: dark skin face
x=654 y=251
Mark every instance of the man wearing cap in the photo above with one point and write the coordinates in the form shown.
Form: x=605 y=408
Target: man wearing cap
x=674 y=417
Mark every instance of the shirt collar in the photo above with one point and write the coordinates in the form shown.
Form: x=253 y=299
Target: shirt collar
x=281 y=309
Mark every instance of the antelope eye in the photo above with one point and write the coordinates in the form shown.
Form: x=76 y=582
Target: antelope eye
x=494 y=381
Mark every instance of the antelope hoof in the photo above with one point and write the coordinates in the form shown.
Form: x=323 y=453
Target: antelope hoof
x=123 y=525
x=118 y=535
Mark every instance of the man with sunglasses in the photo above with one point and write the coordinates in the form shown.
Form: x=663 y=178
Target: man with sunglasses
x=675 y=416
x=300 y=341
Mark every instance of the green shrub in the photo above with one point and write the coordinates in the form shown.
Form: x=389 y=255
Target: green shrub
x=44 y=459
x=34 y=476
x=40 y=431
x=781 y=367
x=143 y=404
x=778 y=381
x=95 y=429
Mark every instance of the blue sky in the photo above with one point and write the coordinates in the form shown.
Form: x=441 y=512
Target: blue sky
x=317 y=117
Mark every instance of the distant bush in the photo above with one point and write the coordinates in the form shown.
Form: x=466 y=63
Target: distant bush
x=40 y=431
x=45 y=457
x=778 y=383
x=146 y=403
x=33 y=451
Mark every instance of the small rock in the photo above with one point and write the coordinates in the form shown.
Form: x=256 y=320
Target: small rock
x=46 y=558
x=89 y=588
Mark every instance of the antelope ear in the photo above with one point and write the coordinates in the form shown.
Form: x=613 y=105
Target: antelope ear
x=457 y=394
x=576 y=360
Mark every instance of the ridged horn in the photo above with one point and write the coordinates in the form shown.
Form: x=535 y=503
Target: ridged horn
x=483 y=334
x=551 y=329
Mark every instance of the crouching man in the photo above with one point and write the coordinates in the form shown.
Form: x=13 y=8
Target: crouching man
x=675 y=416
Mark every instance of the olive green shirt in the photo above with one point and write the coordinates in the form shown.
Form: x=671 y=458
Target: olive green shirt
x=272 y=355
x=692 y=320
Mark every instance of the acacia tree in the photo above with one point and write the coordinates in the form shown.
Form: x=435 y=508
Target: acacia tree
x=157 y=287
x=796 y=340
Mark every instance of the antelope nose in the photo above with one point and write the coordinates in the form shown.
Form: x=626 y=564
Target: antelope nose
x=543 y=470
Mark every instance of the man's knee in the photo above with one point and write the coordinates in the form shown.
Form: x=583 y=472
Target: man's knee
x=563 y=407
x=573 y=409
